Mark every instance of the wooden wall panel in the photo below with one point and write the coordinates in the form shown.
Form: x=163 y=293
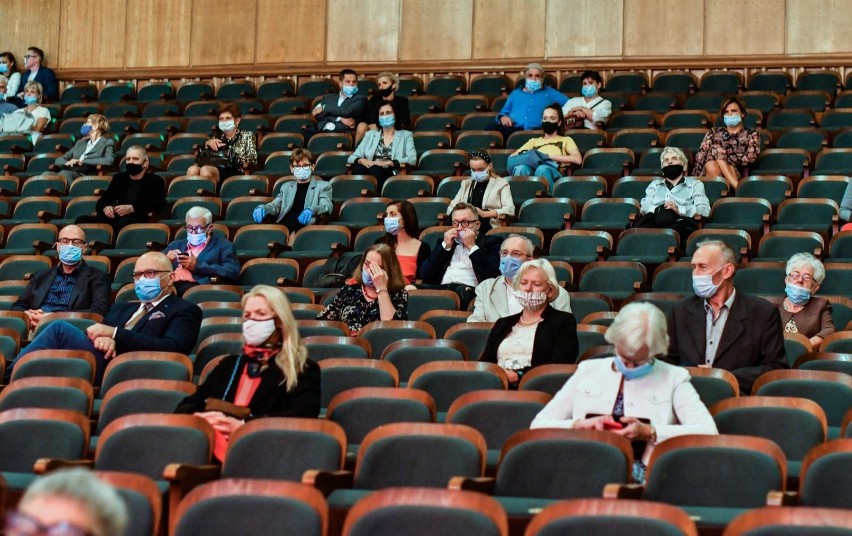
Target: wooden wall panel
x=436 y=30
x=363 y=31
x=222 y=32
x=664 y=27
x=724 y=37
x=509 y=28
x=157 y=33
x=818 y=26
x=290 y=31
x=583 y=28
x=91 y=33
x=28 y=23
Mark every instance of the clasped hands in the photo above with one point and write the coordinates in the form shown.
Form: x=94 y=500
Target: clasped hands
x=630 y=427
x=101 y=337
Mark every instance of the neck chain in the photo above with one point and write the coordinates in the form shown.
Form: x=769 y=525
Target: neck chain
x=523 y=323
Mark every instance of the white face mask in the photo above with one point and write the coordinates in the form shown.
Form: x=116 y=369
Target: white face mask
x=255 y=332
x=703 y=285
x=531 y=300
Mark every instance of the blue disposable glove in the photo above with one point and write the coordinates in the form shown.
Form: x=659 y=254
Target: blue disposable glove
x=258 y=214
x=305 y=216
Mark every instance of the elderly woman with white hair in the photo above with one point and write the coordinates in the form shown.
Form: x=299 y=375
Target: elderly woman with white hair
x=633 y=394
x=539 y=334
x=800 y=311
x=672 y=201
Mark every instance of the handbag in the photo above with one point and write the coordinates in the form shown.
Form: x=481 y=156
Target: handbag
x=573 y=123
x=337 y=270
x=209 y=157
x=531 y=159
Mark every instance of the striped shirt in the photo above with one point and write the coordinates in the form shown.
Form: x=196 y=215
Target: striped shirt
x=59 y=295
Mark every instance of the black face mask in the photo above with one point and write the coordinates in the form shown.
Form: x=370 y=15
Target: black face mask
x=386 y=92
x=134 y=169
x=549 y=127
x=672 y=171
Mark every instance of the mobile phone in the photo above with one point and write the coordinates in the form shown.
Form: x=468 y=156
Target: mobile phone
x=610 y=425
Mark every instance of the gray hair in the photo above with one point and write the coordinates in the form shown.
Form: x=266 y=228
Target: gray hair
x=675 y=151
x=4 y=79
x=100 y=500
x=199 y=212
x=640 y=324
x=806 y=259
x=728 y=254
x=527 y=242
x=534 y=65
x=544 y=266
x=138 y=148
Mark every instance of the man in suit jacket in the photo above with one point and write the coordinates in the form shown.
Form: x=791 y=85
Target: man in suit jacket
x=161 y=323
x=298 y=202
x=722 y=328
x=495 y=297
x=41 y=74
x=340 y=112
x=71 y=286
x=202 y=254
x=463 y=257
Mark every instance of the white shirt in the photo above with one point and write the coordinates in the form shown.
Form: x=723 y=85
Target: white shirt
x=515 y=352
x=460 y=269
x=600 y=112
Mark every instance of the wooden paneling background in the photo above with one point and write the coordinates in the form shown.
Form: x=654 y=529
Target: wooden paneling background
x=139 y=34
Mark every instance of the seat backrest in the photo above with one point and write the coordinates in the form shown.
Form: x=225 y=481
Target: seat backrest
x=72 y=394
x=381 y=334
x=831 y=390
x=824 y=470
x=32 y=433
x=497 y=414
x=362 y=409
x=146 y=365
x=340 y=374
x=62 y=363
x=601 y=517
x=548 y=378
x=142 y=499
x=791 y=521
x=406 y=355
x=142 y=396
x=713 y=384
x=447 y=381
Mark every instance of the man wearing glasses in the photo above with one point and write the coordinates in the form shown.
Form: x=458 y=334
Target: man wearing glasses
x=495 y=297
x=462 y=258
x=162 y=322
x=202 y=254
x=71 y=286
x=41 y=74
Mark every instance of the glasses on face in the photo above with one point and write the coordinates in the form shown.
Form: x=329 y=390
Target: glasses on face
x=462 y=223
x=515 y=254
x=148 y=274
x=18 y=524
x=75 y=241
x=28 y=56
x=196 y=228
x=798 y=276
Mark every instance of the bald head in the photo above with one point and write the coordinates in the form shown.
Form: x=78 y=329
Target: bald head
x=153 y=260
x=73 y=232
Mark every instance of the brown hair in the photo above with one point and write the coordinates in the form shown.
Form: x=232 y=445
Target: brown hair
x=390 y=264
x=229 y=107
x=733 y=100
x=300 y=154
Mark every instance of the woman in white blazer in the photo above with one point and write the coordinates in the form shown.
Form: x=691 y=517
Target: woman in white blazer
x=489 y=193
x=382 y=152
x=632 y=394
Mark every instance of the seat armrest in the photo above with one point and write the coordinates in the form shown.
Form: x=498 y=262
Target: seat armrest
x=623 y=491
x=782 y=498
x=482 y=485
x=97 y=246
x=47 y=465
x=328 y=481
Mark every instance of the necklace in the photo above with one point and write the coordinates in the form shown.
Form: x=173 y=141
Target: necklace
x=790 y=326
x=536 y=321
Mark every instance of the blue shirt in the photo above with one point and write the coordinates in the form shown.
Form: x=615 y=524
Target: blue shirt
x=59 y=295
x=525 y=108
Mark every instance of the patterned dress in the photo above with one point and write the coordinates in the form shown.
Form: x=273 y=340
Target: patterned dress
x=350 y=306
x=740 y=149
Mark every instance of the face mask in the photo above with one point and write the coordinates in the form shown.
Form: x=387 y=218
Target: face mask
x=255 y=332
x=509 y=266
x=703 y=285
x=589 y=91
x=147 y=289
x=387 y=120
x=350 y=90
x=533 y=85
x=69 y=254
x=549 y=127
x=226 y=126
x=635 y=372
x=4 y=67
x=366 y=278
x=672 y=171
x=302 y=173
x=531 y=300
x=29 y=100
x=798 y=295
x=85 y=129
x=479 y=176
x=2 y=96
x=196 y=239
x=134 y=169
x=732 y=120
x=392 y=225
x=386 y=92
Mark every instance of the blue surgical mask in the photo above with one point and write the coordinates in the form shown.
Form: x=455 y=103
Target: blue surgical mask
x=226 y=126
x=387 y=120
x=703 y=285
x=4 y=67
x=589 y=91
x=350 y=90
x=69 y=254
x=85 y=129
x=302 y=173
x=29 y=100
x=147 y=289
x=732 y=120
x=196 y=239
x=632 y=373
x=366 y=278
x=392 y=225
x=509 y=266
x=2 y=96
x=533 y=85
x=479 y=176
x=798 y=295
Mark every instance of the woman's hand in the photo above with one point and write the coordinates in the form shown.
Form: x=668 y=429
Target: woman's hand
x=214 y=144
x=635 y=430
x=380 y=277
x=72 y=162
x=512 y=375
x=221 y=422
x=592 y=423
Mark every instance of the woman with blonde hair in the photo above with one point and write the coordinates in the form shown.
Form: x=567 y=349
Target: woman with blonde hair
x=272 y=376
x=94 y=147
x=31 y=119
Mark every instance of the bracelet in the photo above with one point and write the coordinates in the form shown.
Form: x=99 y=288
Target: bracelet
x=383 y=290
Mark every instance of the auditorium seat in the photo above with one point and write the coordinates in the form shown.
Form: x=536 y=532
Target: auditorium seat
x=548 y=378
x=342 y=373
x=72 y=394
x=791 y=522
x=713 y=384
x=826 y=469
x=602 y=517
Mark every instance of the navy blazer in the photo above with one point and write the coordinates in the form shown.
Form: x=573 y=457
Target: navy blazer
x=218 y=258
x=555 y=338
x=751 y=344
x=485 y=260
x=171 y=326
x=47 y=78
x=91 y=292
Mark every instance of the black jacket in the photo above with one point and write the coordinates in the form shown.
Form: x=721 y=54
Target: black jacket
x=152 y=194
x=555 y=339
x=485 y=260
x=91 y=292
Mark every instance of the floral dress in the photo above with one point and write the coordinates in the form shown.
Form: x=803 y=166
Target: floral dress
x=740 y=149
x=350 y=306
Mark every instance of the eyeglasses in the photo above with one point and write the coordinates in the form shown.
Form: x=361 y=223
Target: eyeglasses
x=30 y=56
x=515 y=254
x=798 y=276
x=18 y=524
x=196 y=229
x=75 y=241
x=463 y=223
x=149 y=274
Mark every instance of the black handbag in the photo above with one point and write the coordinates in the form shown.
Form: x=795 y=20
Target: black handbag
x=209 y=157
